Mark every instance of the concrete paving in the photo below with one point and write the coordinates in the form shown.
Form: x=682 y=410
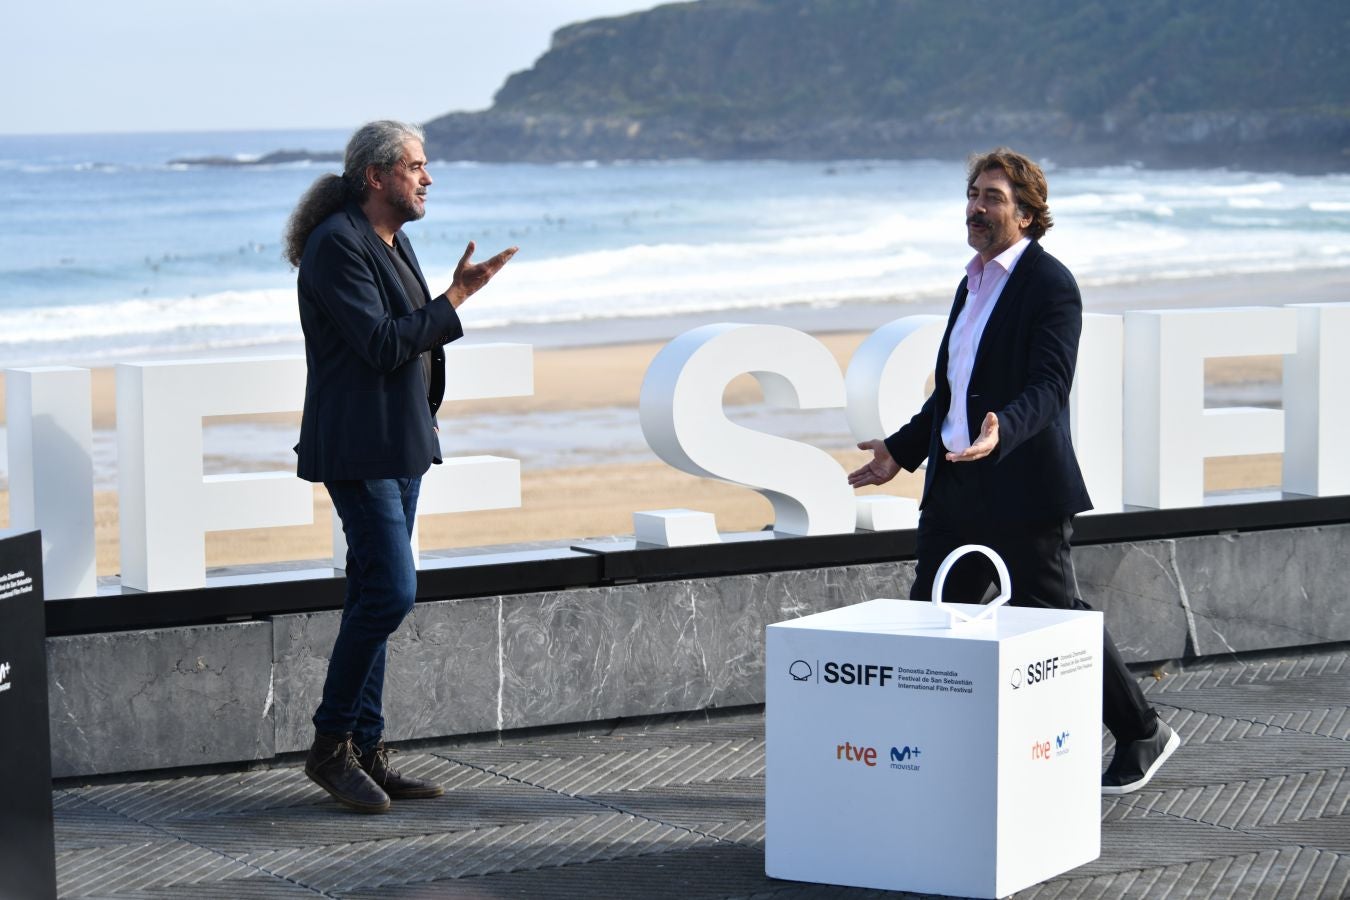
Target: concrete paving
x=1255 y=804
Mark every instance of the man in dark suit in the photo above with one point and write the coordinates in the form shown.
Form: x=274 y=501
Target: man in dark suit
x=995 y=434
x=376 y=376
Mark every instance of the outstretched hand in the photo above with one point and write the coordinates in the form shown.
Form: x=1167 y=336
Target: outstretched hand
x=881 y=469
x=470 y=277
x=984 y=444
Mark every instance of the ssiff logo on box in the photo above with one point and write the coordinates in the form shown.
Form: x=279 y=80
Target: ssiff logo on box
x=859 y=674
x=1037 y=672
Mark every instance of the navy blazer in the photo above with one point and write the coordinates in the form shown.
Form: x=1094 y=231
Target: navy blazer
x=368 y=410
x=1022 y=372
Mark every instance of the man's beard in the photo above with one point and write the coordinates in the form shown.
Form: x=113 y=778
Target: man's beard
x=991 y=236
x=409 y=209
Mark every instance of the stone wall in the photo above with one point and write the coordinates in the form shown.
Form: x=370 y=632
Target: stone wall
x=172 y=697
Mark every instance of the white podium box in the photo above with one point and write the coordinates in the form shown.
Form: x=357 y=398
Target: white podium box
x=909 y=748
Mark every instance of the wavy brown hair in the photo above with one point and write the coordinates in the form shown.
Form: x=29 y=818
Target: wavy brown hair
x=378 y=144
x=1030 y=189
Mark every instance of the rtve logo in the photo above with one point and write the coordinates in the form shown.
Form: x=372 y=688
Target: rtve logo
x=846 y=752
x=1042 y=749
x=901 y=758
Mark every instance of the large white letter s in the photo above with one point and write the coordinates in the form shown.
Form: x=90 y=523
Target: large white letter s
x=684 y=422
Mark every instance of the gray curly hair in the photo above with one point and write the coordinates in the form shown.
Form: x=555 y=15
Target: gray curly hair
x=378 y=144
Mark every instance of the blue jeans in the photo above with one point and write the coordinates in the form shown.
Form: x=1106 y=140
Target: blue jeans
x=377 y=519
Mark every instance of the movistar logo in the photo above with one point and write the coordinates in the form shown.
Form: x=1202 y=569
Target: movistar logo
x=1042 y=749
x=905 y=758
x=4 y=677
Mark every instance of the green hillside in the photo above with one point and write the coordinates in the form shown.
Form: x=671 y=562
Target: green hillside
x=1172 y=81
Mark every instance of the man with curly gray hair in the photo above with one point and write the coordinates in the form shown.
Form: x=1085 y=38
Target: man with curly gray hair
x=375 y=378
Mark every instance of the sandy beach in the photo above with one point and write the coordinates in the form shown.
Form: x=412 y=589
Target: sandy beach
x=562 y=503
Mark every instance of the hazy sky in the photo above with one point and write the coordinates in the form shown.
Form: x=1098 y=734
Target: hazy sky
x=191 y=65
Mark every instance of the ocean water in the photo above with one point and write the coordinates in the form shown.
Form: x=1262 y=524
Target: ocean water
x=109 y=252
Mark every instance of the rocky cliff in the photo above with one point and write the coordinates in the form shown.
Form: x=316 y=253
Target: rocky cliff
x=1262 y=83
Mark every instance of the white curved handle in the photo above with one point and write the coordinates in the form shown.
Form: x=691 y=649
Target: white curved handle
x=988 y=610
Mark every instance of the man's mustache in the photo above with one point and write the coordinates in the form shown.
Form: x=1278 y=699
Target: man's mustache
x=977 y=220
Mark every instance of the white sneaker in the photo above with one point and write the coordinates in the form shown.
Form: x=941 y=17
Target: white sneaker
x=1134 y=763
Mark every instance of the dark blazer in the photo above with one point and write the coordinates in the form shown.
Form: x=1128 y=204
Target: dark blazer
x=367 y=411
x=1022 y=372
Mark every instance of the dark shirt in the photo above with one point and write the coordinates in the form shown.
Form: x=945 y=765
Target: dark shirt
x=416 y=295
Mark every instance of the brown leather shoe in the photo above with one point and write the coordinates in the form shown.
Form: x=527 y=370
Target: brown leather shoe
x=332 y=765
x=396 y=785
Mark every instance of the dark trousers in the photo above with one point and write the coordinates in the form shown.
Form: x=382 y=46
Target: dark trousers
x=377 y=519
x=1037 y=556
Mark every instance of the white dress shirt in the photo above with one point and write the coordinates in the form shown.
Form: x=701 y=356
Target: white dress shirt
x=984 y=284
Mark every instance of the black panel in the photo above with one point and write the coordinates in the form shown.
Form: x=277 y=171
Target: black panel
x=27 y=846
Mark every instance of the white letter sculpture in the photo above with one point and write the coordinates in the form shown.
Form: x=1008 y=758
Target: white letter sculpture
x=684 y=422
x=1096 y=410
x=166 y=505
x=886 y=384
x=51 y=472
x=1168 y=431
x=1316 y=396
